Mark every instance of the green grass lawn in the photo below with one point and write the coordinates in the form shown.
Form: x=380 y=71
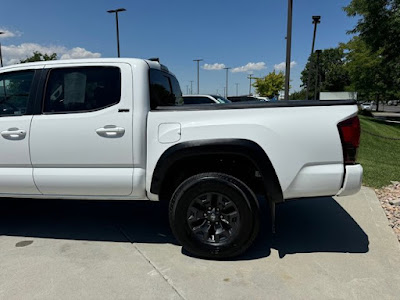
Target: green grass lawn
x=379 y=157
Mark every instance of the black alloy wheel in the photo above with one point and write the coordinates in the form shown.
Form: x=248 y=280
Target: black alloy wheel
x=213 y=218
x=214 y=215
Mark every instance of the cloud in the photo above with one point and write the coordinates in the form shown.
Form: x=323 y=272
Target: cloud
x=250 y=67
x=79 y=52
x=213 y=67
x=14 y=53
x=7 y=33
x=282 y=66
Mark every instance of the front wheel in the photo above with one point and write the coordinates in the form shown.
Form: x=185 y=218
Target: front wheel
x=214 y=215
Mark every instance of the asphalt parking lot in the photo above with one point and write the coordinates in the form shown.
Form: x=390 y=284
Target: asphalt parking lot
x=323 y=249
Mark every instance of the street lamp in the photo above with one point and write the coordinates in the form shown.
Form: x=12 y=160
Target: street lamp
x=316 y=21
x=116 y=11
x=1 y=56
x=198 y=73
x=288 y=48
x=226 y=90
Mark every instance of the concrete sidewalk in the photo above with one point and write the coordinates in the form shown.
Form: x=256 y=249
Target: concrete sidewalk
x=324 y=249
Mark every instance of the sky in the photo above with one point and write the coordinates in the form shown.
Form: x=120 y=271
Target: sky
x=247 y=36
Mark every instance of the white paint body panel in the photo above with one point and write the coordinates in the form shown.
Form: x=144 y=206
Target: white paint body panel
x=69 y=160
x=15 y=163
x=67 y=152
x=17 y=181
x=303 y=143
x=169 y=133
x=84 y=181
x=352 y=180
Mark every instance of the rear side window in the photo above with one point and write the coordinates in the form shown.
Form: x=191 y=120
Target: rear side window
x=82 y=89
x=14 y=92
x=164 y=89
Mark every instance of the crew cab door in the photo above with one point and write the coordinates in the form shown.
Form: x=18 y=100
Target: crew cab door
x=81 y=143
x=17 y=92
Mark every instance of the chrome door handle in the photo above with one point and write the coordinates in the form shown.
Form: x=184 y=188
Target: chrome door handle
x=14 y=134
x=110 y=131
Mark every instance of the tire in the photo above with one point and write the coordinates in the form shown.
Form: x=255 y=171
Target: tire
x=214 y=215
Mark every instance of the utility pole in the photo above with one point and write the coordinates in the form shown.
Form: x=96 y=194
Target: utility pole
x=288 y=48
x=237 y=89
x=317 y=86
x=250 y=77
x=198 y=74
x=226 y=68
x=191 y=87
x=116 y=11
x=316 y=21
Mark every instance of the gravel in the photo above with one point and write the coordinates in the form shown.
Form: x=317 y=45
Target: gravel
x=389 y=197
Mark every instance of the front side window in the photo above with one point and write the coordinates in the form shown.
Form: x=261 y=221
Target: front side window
x=14 y=92
x=82 y=89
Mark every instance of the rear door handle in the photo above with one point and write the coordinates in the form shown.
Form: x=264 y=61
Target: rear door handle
x=14 y=134
x=110 y=131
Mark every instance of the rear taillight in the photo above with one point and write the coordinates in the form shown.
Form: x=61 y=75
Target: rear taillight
x=350 y=135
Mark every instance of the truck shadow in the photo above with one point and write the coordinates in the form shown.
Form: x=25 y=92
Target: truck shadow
x=311 y=225
x=304 y=226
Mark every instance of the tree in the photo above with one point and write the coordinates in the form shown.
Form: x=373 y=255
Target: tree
x=37 y=56
x=270 y=85
x=379 y=27
x=367 y=71
x=299 y=95
x=333 y=75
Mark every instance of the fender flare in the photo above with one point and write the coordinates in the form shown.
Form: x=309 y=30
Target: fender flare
x=242 y=147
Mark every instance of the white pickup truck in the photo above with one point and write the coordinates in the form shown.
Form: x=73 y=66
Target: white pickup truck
x=117 y=129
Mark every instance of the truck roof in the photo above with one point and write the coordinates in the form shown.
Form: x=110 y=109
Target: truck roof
x=150 y=63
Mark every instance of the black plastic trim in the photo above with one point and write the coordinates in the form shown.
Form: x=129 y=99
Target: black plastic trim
x=258 y=104
x=37 y=108
x=245 y=148
x=32 y=95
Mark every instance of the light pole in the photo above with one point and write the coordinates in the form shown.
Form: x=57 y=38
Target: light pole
x=237 y=89
x=198 y=74
x=226 y=90
x=1 y=56
x=116 y=11
x=288 y=48
x=317 y=85
x=316 y=21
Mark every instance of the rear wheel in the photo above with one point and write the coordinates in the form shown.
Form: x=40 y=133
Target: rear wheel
x=214 y=215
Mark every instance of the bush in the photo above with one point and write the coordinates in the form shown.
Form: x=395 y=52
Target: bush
x=364 y=112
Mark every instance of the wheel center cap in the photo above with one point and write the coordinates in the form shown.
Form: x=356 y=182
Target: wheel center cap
x=213 y=217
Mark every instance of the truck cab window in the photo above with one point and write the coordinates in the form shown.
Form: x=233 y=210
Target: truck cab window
x=82 y=89
x=14 y=92
x=164 y=89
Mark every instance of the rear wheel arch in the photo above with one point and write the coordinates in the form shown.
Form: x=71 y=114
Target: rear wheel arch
x=223 y=155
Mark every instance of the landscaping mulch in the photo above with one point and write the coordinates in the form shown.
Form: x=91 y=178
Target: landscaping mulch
x=389 y=197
